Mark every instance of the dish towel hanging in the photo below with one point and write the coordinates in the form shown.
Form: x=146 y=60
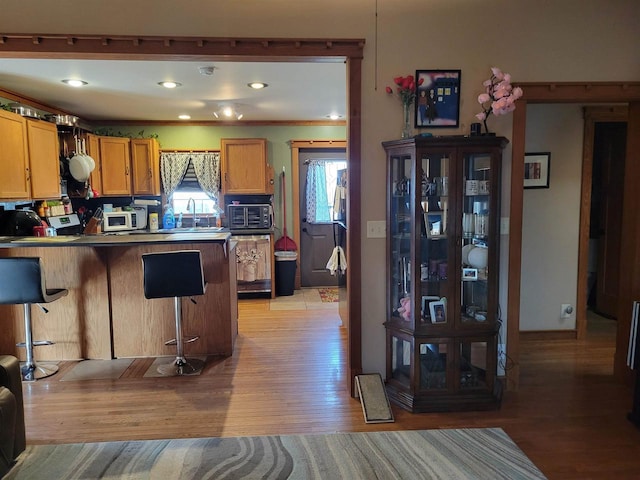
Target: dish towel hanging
x=337 y=261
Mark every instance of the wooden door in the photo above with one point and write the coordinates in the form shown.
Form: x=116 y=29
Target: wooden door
x=44 y=159
x=244 y=166
x=116 y=166
x=608 y=181
x=14 y=181
x=317 y=240
x=145 y=165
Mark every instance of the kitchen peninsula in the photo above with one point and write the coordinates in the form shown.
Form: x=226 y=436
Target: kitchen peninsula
x=105 y=315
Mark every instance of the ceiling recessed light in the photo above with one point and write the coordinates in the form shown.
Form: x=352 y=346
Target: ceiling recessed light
x=334 y=116
x=74 y=82
x=257 y=85
x=169 y=84
x=184 y=117
x=227 y=112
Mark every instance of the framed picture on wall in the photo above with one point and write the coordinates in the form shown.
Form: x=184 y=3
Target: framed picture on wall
x=437 y=102
x=536 y=169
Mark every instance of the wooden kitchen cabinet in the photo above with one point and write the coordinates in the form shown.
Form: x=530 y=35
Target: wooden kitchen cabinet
x=115 y=159
x=14 y=159
x=44 y=161
x=145 y=165
x=244 y=167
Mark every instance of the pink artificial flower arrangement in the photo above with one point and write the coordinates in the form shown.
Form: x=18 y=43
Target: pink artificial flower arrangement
x=499 y=97
x=405 y=88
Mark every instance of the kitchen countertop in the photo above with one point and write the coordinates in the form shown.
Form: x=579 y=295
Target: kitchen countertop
x=121 y=239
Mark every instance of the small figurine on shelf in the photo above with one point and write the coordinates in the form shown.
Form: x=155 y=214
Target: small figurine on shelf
x=405 y=308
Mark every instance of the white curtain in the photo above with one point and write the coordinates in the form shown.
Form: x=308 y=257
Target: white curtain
x=316 y=193
x=172 y=168
x=207 y=168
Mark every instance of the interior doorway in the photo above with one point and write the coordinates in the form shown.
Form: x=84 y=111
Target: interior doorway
x=607 y=185
x=319 y=179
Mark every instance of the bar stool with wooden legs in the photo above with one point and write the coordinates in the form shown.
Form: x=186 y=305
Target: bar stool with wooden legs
x=22 y=281
x=175 y=274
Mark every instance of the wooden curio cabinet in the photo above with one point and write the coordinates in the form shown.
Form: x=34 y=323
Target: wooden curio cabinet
x=442 y=321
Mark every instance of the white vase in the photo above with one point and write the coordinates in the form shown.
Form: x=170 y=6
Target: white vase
x=250 y=272
x=478 y=257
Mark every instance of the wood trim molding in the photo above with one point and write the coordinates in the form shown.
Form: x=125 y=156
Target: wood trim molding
x=225 y=123
x=175 y=48
x=600 y=92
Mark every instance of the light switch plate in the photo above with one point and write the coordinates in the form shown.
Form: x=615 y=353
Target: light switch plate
x=504 y=225
x=376 y=229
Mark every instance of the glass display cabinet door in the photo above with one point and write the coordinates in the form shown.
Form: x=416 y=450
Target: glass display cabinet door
x=475 y=366
x=401 y=355
x=478 y=198
x=433 y=365
x=433 y=247
x=400 y=234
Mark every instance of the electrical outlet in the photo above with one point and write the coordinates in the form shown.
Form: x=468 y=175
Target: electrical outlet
x=376 y=229
x=566 y=310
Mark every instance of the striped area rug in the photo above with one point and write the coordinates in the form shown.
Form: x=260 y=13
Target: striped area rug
x=422 y=454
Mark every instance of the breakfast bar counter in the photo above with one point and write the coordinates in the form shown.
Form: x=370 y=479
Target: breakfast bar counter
x=106 y=315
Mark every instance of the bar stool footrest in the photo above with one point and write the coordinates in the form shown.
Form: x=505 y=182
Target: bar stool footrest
x=37 y=343
x=188 y=339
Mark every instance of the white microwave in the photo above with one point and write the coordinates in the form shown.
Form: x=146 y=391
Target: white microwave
x=119 y=221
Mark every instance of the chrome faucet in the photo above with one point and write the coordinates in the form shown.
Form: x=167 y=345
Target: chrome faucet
x=195 y=217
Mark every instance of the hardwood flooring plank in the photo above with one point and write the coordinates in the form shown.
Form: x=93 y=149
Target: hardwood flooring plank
x=287 y=376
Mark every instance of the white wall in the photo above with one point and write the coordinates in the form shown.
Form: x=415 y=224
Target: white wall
x=551 y=219
x=562 y=40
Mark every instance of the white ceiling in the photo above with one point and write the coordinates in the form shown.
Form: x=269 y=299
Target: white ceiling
x=129 y=90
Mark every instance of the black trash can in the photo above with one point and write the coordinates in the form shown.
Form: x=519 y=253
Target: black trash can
x=285 y=273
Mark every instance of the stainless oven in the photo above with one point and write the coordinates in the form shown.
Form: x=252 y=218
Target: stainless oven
x=249 y=216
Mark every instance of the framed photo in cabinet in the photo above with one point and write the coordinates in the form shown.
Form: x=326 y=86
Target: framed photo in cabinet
x=437 y=98
x=438 y=312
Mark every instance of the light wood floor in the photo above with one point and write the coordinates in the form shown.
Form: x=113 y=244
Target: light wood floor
x=287 y=376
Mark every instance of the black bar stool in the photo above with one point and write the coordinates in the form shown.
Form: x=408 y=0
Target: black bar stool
x=175 y=274
x=22 y=281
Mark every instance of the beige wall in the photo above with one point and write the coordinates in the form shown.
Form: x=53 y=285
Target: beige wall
x=551 y=219
x=557 y=40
